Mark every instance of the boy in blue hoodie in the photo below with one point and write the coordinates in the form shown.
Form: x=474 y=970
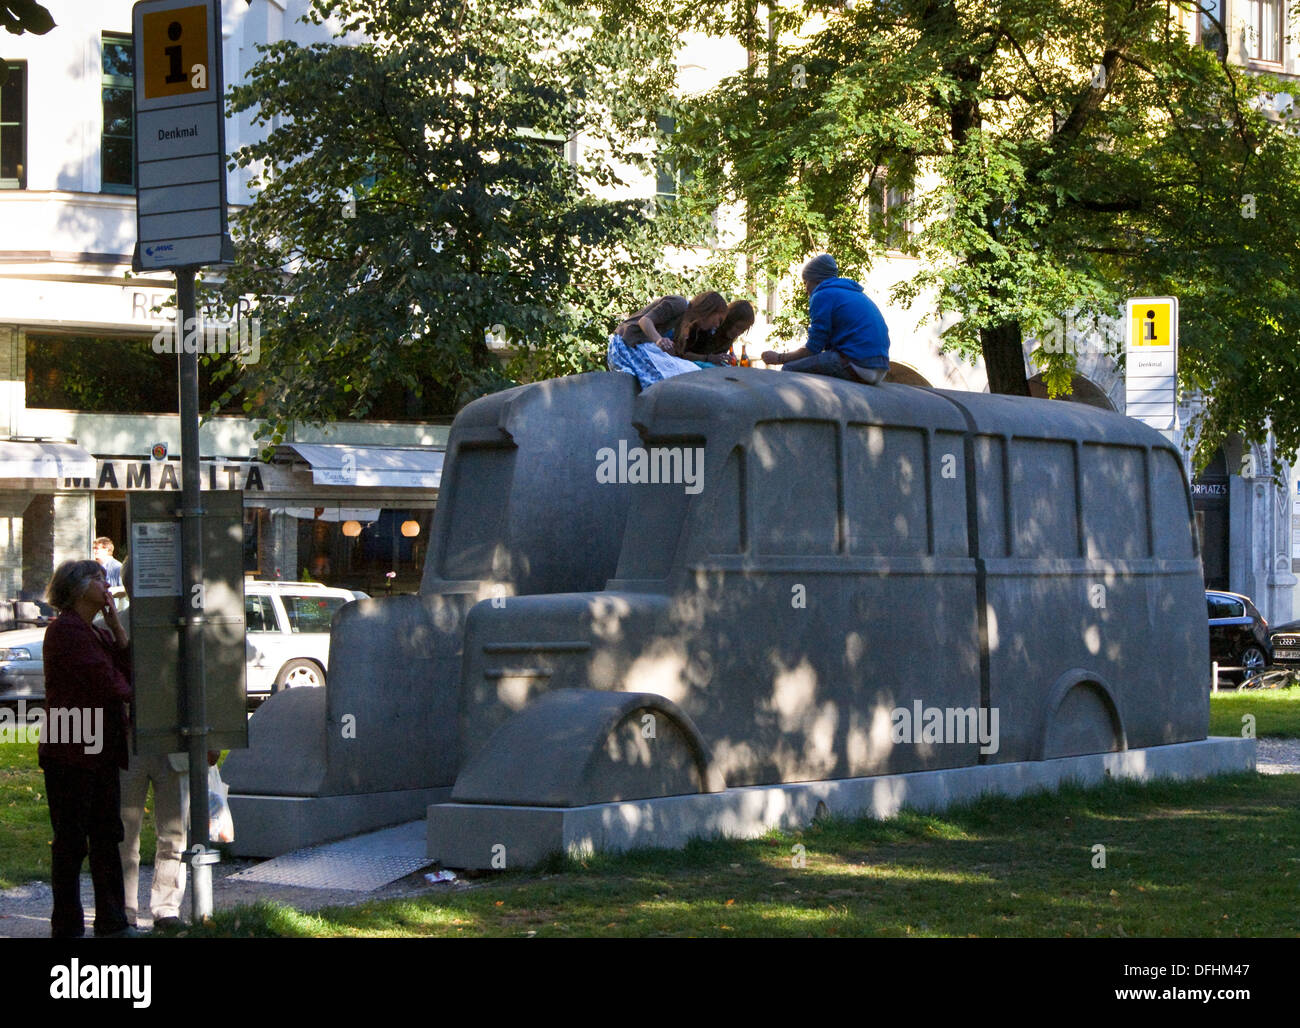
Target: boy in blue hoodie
x=847 y=336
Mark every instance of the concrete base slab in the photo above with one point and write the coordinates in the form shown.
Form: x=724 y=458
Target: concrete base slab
x=267 y=826
x=467 y=835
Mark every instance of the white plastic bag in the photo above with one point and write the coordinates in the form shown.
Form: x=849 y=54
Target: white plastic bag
x=221 y=826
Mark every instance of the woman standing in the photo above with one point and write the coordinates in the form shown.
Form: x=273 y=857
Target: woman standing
x=87 y=687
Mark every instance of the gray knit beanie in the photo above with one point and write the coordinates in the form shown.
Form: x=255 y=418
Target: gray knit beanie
x=819 y=269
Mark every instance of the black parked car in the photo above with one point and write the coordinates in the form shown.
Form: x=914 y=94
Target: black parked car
x=1285 y=640
x=1238 y=634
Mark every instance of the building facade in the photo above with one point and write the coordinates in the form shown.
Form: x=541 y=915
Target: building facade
x=87 y=401
x=87 y=405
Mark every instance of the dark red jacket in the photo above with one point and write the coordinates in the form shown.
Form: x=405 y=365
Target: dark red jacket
x=87 y=688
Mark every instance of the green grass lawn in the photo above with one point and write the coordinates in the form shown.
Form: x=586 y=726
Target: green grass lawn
x=1218 y=858
x=25 y=819
x=1276 y=712
x=1213 y=858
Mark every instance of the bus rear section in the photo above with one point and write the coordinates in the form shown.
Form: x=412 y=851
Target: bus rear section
x=873 y=581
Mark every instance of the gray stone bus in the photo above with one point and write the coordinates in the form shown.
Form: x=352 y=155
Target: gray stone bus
x=741 y=577
x=859 y=581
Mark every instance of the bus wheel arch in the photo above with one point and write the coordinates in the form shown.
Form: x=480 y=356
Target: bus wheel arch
x=576 y=747
x=1081 y=716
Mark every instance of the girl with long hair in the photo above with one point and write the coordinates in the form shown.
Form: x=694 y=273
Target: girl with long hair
x=666 y=323
x=713 y=347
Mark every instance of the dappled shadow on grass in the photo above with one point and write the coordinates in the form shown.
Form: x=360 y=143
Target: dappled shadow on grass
x=1122 y=860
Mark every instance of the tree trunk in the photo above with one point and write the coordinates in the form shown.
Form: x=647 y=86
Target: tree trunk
x=1004 y=359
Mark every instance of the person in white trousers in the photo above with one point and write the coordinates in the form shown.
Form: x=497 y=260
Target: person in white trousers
x=170 y=777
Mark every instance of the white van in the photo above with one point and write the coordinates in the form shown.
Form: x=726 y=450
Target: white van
x=287 y=628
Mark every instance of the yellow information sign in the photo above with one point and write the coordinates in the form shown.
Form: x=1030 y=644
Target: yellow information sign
x=180 y=140
x=1153 y=322
x=1151 y=362
x=174 y=51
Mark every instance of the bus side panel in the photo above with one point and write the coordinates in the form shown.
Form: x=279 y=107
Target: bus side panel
x=1128 y=631
x=789 y=675
x=800 y=676
x=1040 y=627
x=1171 y=703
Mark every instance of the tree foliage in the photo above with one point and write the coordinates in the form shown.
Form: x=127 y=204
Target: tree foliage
x=19 y=16
x=1065 y=154
x=415 y=198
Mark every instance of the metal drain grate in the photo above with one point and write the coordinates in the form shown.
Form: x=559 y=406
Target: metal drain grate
x=363 y=864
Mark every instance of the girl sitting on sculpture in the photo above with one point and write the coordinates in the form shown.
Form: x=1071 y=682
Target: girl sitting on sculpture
x=684 y=336
x=708 y=348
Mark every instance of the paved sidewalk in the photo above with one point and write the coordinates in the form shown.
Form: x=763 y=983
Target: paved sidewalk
x=363 y=863
x=1277 y=756
x=378 y=865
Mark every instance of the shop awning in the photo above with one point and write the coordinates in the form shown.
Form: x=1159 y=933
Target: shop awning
x=365 y=515
x=44 y=461
x=336 y=464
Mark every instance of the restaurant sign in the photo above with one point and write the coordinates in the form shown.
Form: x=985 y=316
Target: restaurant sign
x=132 y=475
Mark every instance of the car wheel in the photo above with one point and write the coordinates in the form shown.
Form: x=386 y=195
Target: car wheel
x=299 y=673
x=1252 y=660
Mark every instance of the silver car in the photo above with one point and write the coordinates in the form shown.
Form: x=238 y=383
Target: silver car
x=22 y=661
x=287 y=636
x=22 y=670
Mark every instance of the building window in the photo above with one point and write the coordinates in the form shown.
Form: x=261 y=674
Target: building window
x=671 y=175
x=313 y=544
x=13 y=127
x=1264 y=30
x=545 y=142
x=1209 y=25
x=113 y=375
x=889 y=194
x=117 y=143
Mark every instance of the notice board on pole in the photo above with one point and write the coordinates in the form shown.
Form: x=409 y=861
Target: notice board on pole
x=154 y=620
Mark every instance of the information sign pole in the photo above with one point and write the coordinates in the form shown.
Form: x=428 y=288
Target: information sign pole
x=193 y=711
x=181 y=225
x=1151 y=363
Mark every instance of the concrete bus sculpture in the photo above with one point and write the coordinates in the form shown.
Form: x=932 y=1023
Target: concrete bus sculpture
x=739 y=580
